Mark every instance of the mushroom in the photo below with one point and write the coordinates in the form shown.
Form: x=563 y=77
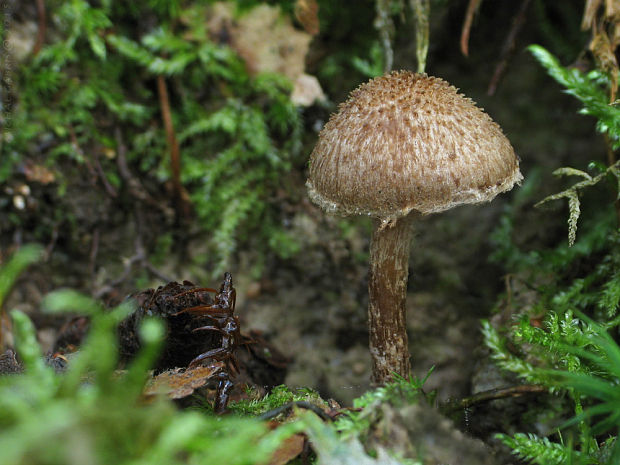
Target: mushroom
x=404 y=144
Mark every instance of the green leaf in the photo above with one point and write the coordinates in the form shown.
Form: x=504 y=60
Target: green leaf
x=28 y=347
x=20 y=260
x=591 y=88
x=97 y=45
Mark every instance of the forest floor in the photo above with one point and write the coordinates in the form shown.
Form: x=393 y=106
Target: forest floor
x=312 y=307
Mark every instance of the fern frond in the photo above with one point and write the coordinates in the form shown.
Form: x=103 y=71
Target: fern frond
x=226 y=235
x=131 y=49
x=589 y=88
x=572 y=194
x=609 y=300
x=535 y=449
x=170 y=66
x=226 y=119
x=163 y=40
x=504 y=358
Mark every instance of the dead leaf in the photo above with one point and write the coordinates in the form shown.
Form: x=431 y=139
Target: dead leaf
x=589 y=14
x=307 y=13
x=306 y=90
x=612 y=10
x=265 y=39
x=180 y=383
x=288 y=450
x=38 y=173
x=605 y=57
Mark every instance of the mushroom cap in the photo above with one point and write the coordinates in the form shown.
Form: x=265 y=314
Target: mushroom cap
x=408 y=141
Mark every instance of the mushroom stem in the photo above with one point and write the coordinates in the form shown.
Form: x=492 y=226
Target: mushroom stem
x=387 y=289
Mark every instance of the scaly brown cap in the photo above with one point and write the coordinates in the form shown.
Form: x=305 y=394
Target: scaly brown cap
x=408 y=141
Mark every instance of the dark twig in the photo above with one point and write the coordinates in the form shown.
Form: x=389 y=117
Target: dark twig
x=104 y=180
x=78 y=149
x=139 y=257
x=173 y=146
x=41 y=29
x=134 y=186
x=94 y=166
x=469 y=17
x=509 y=47
x=297 y=403
x=49 y=248
x=492 y=394
x=94 y=249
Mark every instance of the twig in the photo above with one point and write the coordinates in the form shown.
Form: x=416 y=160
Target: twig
x=52 y=243
x=41 y=29
x=134 y=186
x=104 y=180
x=78 y=149
x=469 y=17
x=139 y=257
x=173 y=146
x=492 y=394
x=93 y=165
x=507 y=311
x=509 y=47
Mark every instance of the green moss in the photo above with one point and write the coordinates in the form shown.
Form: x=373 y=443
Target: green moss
x=93 y=414
x=238 y=132
x=279 y=396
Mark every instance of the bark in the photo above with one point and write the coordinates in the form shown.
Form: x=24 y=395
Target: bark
x=387 y=289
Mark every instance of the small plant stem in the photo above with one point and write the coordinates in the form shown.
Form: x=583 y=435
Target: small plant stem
x=385 y=26
x=387 y=289
x=472 y=6
x=509 y=47
x=421 y=9
x=492 y=394
x=41 y=27
x=173 y=146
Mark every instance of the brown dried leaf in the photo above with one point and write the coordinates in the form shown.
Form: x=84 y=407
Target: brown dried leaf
x=268 y=42
x=605 y=57
x=288 y=450
x=612 y=15
x=612 y=10
x=180 y=383
x=589 y=14
x=38 y=173
x=603 y=53
x=472 y=7
x=306 y=90
x=307 y=13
